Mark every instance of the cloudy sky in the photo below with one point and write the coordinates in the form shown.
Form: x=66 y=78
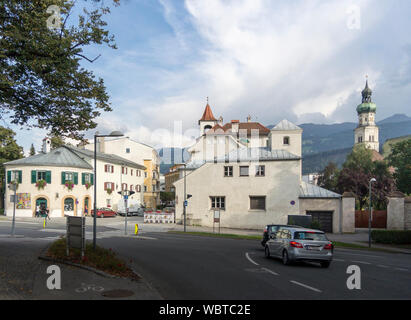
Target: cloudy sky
x=302 y=60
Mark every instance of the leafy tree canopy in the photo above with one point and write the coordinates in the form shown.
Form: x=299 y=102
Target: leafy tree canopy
x=328 y=178
x=400 y=159
x=42 y=82
x=32 y=150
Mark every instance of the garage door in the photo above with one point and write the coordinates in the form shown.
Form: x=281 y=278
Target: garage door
x=324 y=218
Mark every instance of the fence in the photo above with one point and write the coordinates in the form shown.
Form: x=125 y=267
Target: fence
x=379 y=219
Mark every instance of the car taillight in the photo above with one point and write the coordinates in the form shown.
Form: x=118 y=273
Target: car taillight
x=296 y=244
x=328 y=246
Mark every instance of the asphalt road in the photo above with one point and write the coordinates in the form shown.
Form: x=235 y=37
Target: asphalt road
x=195 y=267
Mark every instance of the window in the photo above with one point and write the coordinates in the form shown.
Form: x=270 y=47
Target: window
x=124 y=170
x=145 y=174
x=127 y=150
x=108 y=168
x=138 y=188
x=145 y=188
x=41 y=175
x=109 y=185
x=68 y=204
x=286 y=141
x=228 y=171
x=244 y=171
x=359 y=139
x=218 y=203
x=131 y=187
x=87 y=178
x=108 y=201
x=124 y=187
x=14 y=175
x=131 y=172
x=260 y=171
x=257 y=203
x=138 y=173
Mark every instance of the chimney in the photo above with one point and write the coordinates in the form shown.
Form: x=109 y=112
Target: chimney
x=100 y=144
x=235 y=124
x=46 y=145
x=249 y=118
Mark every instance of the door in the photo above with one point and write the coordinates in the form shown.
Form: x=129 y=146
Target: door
x=41 y=204
x=324 y=218
x=69 y=207
x=86 y=206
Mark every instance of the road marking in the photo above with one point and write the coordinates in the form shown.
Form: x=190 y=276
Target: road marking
x=249 y=259
x=401 y=269
x=382 y=266
x=270 y=271
x=363 y=262
x=305 y=286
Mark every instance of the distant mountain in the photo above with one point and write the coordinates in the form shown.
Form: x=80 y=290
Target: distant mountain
x=395 y=119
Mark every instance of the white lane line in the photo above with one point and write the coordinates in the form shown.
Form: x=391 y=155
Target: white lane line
x=270 y=271
x=382 y=266
x=251 y=260
x=305 y=286
x=363 y=262
x=401 y=269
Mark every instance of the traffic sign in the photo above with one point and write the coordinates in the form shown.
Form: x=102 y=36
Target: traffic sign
x=185 y=203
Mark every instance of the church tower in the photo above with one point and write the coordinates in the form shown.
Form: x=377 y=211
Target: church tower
x=367 y=131
x=207 y=121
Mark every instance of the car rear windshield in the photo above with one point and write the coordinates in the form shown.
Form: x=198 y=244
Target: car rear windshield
x=303 y=235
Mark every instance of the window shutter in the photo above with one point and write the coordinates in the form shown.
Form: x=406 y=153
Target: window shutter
x=83 y=178
x=75 y=174
x=48 y=177
x=92 y=179
x=112 y=186
x=105 y=168
x=20 y=176
x=33 y=176
x=8 y=176
x=63 y=177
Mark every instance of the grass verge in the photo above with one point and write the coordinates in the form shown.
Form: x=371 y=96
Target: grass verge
x=100 y=258
x=219 y=235
x=347 y=245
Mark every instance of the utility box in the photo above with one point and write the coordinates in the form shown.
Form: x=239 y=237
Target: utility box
x=76 y=233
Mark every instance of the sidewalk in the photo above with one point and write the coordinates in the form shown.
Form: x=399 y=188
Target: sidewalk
x=80 y=284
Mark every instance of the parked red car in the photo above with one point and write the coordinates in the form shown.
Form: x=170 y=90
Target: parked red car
x=104 y=212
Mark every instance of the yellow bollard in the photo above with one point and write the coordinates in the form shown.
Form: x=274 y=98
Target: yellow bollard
x=136 y=229
x=44 y=223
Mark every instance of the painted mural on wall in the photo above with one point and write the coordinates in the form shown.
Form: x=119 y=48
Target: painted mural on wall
x=23 y=201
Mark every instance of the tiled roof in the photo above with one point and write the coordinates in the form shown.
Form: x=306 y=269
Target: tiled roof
x=59 y=157
x=112 y=158
x=308 y=190
x=249 y=126
x=208 y=114
x=286 y=125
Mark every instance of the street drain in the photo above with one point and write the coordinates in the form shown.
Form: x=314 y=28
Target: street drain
x=119 y=293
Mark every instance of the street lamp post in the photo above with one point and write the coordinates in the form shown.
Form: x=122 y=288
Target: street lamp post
x=370 y=216
x=97 y=135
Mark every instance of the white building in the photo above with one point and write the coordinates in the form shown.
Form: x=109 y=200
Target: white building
x=139 y=153
x=255 y=181
x=62 y=180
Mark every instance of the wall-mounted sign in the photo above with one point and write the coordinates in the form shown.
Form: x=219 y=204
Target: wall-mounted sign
x=292 y=203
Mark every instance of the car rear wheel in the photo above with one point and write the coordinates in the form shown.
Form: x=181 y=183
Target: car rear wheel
x=325 y=264
x=286 y=260
x=267 y=252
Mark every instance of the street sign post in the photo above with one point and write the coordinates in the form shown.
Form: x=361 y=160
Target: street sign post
x=126 y=194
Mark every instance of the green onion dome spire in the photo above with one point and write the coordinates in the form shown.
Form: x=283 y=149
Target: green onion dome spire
x=367 y=105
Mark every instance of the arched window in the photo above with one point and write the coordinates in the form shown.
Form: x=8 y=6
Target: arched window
x=286 y=141
x=206 y=128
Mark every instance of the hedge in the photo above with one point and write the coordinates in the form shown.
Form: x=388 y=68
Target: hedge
x=391 y=236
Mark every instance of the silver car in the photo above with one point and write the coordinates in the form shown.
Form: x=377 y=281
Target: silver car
x=300 y=244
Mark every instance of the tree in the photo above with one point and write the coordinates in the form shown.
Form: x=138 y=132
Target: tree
x=42 y=82
x=328 y=178
x=9 y=151
x=32 y=150
x=400 y=159
x=56 y=141
x=356 y=173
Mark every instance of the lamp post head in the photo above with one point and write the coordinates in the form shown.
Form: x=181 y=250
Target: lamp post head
x=116 y=134
x=373 y=180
